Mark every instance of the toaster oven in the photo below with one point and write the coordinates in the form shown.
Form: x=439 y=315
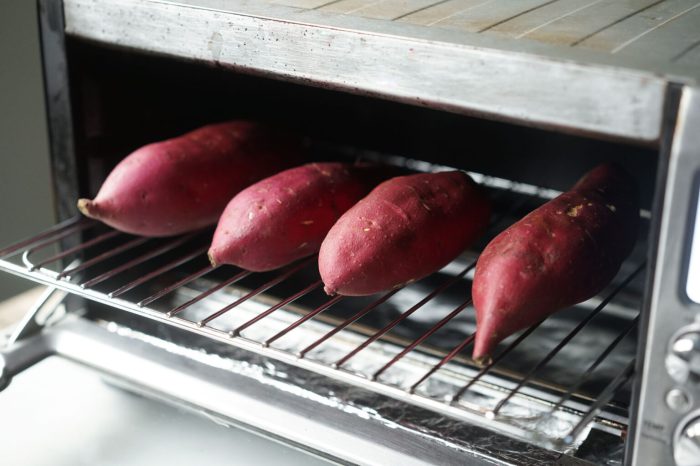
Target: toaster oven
x=525 y=96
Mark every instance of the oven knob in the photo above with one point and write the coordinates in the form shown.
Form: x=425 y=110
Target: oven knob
x=686 y=447
x=677 y=400
x=683 y=359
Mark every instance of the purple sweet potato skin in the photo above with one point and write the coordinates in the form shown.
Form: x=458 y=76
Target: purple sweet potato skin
x=286 y=216
x=405 y=229
x=183 y=184
x=562 y=253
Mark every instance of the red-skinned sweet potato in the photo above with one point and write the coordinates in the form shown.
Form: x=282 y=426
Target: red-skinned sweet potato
x=183 y=184
x=405 y=229
x=286 y=216
x=562 y=253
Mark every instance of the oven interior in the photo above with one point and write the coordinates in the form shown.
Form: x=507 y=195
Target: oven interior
x=558 y=385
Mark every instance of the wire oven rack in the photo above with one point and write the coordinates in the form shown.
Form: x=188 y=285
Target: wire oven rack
x=283 y=315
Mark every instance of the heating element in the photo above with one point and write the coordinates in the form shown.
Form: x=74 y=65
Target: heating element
x=548 y=385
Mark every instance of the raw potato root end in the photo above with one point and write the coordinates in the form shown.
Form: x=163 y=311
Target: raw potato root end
x=212 y=261
x=484 y=360
x=84 y=207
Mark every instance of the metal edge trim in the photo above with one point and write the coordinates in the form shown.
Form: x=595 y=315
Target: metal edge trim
x=57 y=101
x=529 y=89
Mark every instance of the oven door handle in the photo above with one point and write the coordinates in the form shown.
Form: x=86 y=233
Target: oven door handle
x=29 y=343
x=23 y=354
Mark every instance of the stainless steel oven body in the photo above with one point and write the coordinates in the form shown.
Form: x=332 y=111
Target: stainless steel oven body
x=523 y=96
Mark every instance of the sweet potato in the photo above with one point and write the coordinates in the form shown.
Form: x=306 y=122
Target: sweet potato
x=560 y=254
x=405 y=229
x=286 y=216
x=183 y=184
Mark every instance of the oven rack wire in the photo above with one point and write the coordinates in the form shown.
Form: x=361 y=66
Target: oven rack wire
x=71 y=272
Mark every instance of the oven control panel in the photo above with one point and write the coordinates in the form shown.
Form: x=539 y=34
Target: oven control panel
x=692 y=286
x=667 y=428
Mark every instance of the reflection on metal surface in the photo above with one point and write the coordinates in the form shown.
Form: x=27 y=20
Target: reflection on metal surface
x=692 y=286
x=686 y=449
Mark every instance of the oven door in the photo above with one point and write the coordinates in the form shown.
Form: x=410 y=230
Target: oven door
x=165 y=397
x=65 y=414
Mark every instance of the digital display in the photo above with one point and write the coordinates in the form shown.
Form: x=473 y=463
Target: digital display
x=693 y=285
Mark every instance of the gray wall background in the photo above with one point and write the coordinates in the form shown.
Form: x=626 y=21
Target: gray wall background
x=25 y=190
